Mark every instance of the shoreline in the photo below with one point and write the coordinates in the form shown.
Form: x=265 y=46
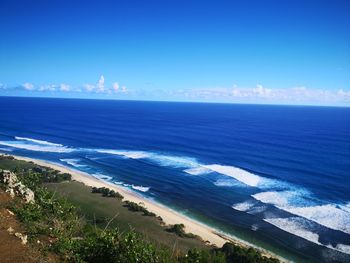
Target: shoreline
x=207 y=233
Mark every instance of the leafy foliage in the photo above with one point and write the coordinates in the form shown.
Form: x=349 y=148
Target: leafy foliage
x=179 y=229
x=132 y=206
x=106 y=192
x=75 y=240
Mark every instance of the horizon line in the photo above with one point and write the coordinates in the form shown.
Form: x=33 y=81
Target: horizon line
x=179 y=101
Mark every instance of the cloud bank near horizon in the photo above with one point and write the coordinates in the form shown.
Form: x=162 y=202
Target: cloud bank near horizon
x=98 y=88
x=261 y=94
x=235 y=94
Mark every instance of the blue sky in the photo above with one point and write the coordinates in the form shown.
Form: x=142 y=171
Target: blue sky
x=284 y=52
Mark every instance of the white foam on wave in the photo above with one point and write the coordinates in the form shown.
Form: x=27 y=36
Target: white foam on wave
x=249 y=207
x=174 y=161
x=254 y=227
x=102 y=176
x=135 y=187
x=197 y=171
x=229 y=183
x=140 y=188
x=6 y=149
x=243 y=207
x=37 y=141
x=300 y=227
x=193 y=167
x=126 y=154
x=342 y=248
x=73 y=162
x=37 y=147
x=345 y=207
x=295 y=226
x=328 y=215
x=237 y=173
x=279 y=199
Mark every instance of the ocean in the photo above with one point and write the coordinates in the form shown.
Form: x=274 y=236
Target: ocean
x=277 y=177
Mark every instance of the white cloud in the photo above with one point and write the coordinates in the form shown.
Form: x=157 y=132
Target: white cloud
x=260 y=94
x=89 y=87
x=261 y=91
x=116 y=87
x=100 y=87
x=28 y=86
x=64 y=87
x=345 y=94
x=50 y=87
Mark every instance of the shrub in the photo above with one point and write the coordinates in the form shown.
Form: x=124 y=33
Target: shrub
x=106 y=192
x=138 y=208
x=110 y=246
x=179 y=229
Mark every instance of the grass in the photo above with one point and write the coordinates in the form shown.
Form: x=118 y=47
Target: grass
x=80 y=226
x=96 y=208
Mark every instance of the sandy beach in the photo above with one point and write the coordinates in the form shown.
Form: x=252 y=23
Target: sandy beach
x=168 y=215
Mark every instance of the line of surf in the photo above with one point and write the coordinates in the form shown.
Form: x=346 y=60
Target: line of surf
x=328 y=215
x=37 y=141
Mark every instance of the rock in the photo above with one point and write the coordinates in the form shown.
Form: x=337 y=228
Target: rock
x=11 y=192
x=24 y=238
x=9 y=178
x=14 y=186
x=10 y=230
x=10 y=212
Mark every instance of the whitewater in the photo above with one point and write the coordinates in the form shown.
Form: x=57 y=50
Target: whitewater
x=276 y=176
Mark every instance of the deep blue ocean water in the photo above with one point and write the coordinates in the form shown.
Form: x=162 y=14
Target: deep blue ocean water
x=275 y=176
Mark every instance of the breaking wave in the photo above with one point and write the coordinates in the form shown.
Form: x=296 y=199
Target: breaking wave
x=197 y=171
x=249 y=207
x=328 y=215
x=126 y=154
x=37 y=147
x=73 y=162
x=243 y=207
x=295 y=226
x=301 y=228
x=102 y=176
x=140 y=188
x=237 y=173
x=188 y=164
x=37 y=141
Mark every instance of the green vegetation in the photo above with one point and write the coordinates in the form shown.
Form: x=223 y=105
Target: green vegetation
x=138 y=208
x=179 y=229
x=57 y=223
x=106 y=192
x=99 y=210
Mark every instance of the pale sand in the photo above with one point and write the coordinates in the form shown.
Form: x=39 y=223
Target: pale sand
x=169 y=216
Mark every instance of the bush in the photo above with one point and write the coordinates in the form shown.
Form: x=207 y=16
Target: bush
x=203 y=256
x=106 y=192
x=74 y=240
x=138 y=208
x=179 y=229
x=238 y=254
x=110 y=246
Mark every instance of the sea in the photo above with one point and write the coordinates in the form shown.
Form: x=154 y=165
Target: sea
x=277 y=177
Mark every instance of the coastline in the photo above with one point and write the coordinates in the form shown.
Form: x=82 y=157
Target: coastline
x=170 y=217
